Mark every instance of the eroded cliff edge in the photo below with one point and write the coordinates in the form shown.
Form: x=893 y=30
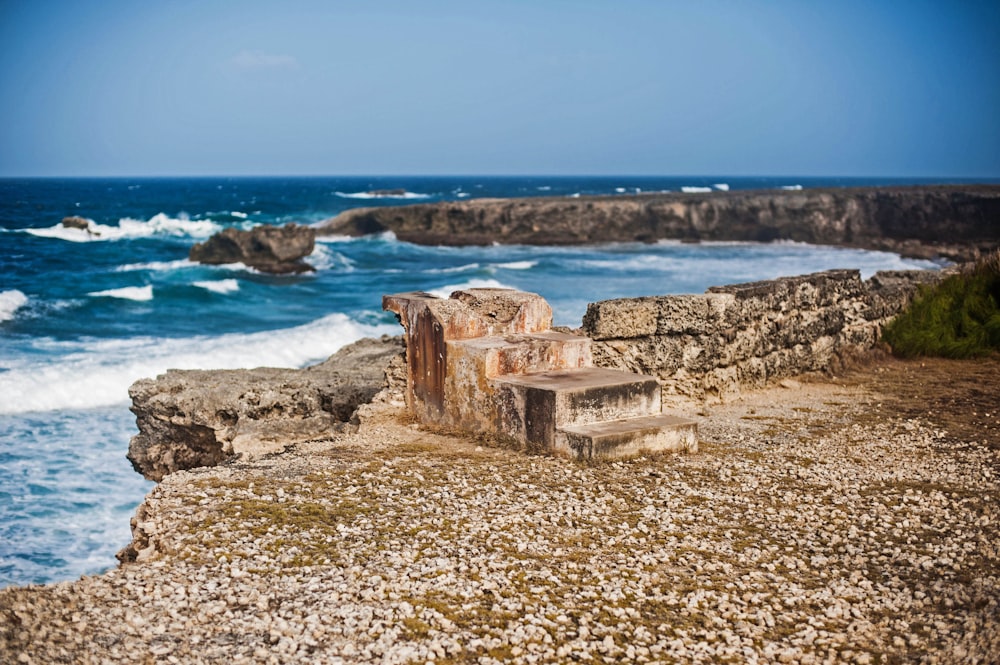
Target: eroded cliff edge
x=192 y=418
x=952 y=221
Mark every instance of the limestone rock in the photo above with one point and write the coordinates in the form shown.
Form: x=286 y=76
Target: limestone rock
x=74 y=222
x=956 y=222
x=273 y=249
x=81 y=223
x=190 y=418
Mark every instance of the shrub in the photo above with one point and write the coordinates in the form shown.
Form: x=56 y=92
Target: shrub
x=957 y=318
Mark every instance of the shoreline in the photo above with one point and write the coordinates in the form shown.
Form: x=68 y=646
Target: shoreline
x=820 y=521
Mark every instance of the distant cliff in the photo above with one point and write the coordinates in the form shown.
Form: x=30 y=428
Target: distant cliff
x=956 y=221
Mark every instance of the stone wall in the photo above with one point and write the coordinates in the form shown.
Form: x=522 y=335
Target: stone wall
x=745 y=335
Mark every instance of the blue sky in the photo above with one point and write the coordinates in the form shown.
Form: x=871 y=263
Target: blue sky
x=667 y=88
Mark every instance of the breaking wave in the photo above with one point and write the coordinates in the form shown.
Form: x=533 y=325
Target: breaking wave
x=86 y=374
x=389 y=194
x=222 y=286
x=127 y=228
x=10 y=302
x=138 y=293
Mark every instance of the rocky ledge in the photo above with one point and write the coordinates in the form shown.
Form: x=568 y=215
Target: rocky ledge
x=819 y=523
x=272 y=249
x=191 y=418
x=955 y=222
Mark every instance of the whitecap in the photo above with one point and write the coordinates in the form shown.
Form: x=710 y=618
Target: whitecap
x=86 y=374
x=159 y=224
x=464 y=268
x=138 y=293
x=239 y=215
x=445 y=291
x=377 y=195
x=620 y=190
x=463 y=195
x=222 y=286
x=722 y=187
x=332 y=238
x=158 y=266
x=575 y=196
x=695 y=190
x=516 y=265
x=10 y=302
x=792 y=188
x=543 y=188
x=324 y=258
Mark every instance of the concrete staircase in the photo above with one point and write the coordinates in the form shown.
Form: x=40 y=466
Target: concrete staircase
x=487 y=360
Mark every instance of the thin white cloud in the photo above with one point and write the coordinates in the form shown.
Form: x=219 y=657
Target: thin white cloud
x=259 y=60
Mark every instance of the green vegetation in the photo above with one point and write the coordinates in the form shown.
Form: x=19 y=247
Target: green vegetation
x=958 y=318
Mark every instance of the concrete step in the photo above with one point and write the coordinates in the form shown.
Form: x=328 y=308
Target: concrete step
x=625 y=438
x=532 y=407
x=495 y=356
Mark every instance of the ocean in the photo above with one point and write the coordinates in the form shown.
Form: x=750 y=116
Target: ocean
x=83 y=315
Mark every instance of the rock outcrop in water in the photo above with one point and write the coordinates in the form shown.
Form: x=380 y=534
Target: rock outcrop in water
x=191 y=418
x=272 y=249
x=956 y=222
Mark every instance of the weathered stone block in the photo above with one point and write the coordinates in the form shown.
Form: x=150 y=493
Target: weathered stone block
x=617 y=439
x=533 y=407
x=622 y=319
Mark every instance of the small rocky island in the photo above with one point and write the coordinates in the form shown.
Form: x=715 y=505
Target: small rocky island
x=272 y=249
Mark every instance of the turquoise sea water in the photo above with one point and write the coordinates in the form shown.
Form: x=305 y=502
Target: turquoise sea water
x=82 y=316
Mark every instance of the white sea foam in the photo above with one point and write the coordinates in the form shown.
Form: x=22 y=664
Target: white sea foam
x=463 y=268
x=543 y=188
x=324 y=258
x=157 y=225
x=239 y=215
x=620 y=190
x=10 y=302
x=220 y=286
x=792 y=188
x=695 y=190
x=463 y=195
x=516 y=265
x=376 y=195
x=722 y=187
x=445 y=291
x=575 y=195
x=157 y=266
x=139 y=293
x=89 y=374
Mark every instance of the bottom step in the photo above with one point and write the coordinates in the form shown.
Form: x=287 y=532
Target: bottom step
x=629 y=437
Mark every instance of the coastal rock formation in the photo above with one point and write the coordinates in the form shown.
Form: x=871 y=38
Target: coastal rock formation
x=74 y=222
x=746 y=335
x=81 y=223
x=955 y=222
x=272 y=249
x=190 y=418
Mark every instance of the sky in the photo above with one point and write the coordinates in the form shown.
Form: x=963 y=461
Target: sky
x=540 y=87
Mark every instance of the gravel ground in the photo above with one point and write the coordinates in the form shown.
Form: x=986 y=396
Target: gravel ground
x=816 y=525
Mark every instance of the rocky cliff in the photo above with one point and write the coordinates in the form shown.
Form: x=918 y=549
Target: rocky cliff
x=956 y=222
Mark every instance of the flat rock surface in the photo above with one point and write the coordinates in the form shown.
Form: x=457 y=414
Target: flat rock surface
x=190 y=418
x=854 y=521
